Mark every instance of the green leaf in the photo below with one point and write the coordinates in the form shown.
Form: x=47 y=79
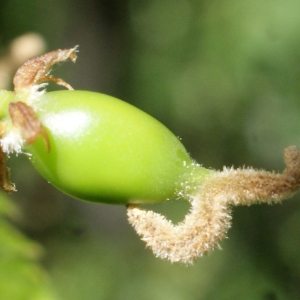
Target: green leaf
x=21 y=276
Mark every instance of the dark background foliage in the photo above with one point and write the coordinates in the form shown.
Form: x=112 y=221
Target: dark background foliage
x=224 y=77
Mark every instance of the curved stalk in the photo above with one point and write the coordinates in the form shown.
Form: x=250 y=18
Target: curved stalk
x=209 y=218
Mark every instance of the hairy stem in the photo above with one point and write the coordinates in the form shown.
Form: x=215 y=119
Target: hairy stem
x=209 y=217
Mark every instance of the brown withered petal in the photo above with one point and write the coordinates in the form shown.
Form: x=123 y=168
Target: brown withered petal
x=35 y=70
x=26 y=120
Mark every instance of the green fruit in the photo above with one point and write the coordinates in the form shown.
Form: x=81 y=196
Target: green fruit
x=105 y=150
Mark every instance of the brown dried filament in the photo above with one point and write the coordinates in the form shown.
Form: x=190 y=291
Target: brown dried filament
x=5 y=183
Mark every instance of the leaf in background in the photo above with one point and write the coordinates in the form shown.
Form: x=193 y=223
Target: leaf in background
x=21 y=277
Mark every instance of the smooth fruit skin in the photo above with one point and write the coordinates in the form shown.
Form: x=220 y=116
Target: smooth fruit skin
x=106 y=150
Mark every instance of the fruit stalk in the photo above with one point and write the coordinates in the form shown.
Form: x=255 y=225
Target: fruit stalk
x=210 y=214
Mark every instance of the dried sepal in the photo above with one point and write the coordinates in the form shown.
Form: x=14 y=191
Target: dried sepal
x=5 y=183
x=25 y=119
x=36 y=70
x=28 y=81
x=209 y=218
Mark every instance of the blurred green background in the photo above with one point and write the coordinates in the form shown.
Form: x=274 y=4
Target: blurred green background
x=224 y=76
